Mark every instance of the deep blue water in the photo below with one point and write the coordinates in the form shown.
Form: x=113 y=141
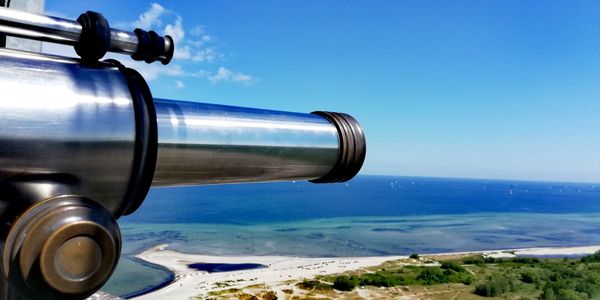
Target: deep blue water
x=370 y=215
x=363 y=196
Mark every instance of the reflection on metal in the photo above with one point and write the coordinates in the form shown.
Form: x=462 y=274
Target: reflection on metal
x=90 y=32
x=205 y=143
x=31 y=6
x=57 y=30
x=62 y=248
x=61 y=122
x=81 y=144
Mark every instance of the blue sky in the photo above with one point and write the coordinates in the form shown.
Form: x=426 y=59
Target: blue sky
x=478 y=89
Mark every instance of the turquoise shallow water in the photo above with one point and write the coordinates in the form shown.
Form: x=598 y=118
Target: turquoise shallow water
x=134 y=276
x=371 y=215
x=368 y=236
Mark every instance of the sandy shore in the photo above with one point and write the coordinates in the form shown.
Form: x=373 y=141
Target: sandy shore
x=280 y=270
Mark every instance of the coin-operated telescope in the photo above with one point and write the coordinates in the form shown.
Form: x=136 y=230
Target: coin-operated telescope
x=83 y=140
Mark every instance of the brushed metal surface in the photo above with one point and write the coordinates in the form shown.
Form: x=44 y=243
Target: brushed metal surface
x=201 y=143
x=70 y=129
x=32 y=6
x=58 y=30
x=64 y=128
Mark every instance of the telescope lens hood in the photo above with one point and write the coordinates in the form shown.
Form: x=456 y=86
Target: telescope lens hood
x=352 y=148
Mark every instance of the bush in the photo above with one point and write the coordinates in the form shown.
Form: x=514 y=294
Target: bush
x=414 y=256
x=491 y=260
x=473 y=260
x=377 y=280
x=343 y=283
x=589 y=287
x=591 y=258
x=431 y=276
x=313 y=285
x=494 y=287
x=569 y=294
x=548 y=294
x=529 y=277
x=453 y=266
x=525 y=260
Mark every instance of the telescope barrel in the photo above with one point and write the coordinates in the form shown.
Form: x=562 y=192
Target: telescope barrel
x=61 y=121
x=202 y=143
x=68 y=32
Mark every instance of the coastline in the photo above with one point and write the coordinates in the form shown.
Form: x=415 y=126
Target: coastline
x=153 y=288
x=282 y=271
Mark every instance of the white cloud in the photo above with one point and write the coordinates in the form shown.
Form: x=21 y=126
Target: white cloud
x=224 y=74
x=207 y=55
x=176 y=30
x=199 y=74
x=154 y=71
x=151 y=17
x=195 y=48
x=197 y=30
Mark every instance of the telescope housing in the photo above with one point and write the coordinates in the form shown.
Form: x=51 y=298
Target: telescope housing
x=81 y=143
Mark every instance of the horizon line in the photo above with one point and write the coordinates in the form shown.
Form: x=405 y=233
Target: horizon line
x=483 y=178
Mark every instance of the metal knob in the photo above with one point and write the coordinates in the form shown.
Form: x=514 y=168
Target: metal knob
x=63 y=248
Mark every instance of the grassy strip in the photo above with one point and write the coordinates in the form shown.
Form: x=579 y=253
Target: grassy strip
x=516 y=278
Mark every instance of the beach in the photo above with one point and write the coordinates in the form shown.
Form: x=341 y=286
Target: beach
x=279 y=274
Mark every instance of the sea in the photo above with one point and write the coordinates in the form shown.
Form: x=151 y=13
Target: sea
x=367 y=216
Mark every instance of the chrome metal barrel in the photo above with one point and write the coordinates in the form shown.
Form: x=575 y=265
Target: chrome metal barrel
x=64 y=126
x=201 y=143
x=78 y=126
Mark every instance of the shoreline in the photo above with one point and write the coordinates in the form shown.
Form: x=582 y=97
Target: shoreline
x=169 y=280
x=188 y=282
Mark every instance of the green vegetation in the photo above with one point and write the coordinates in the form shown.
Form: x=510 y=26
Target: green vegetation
x=591 y=258
x=495 y=286
x=448 y=272
x=516 y=278
x=313 y=285
x=344 y=283
x=414 y=256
